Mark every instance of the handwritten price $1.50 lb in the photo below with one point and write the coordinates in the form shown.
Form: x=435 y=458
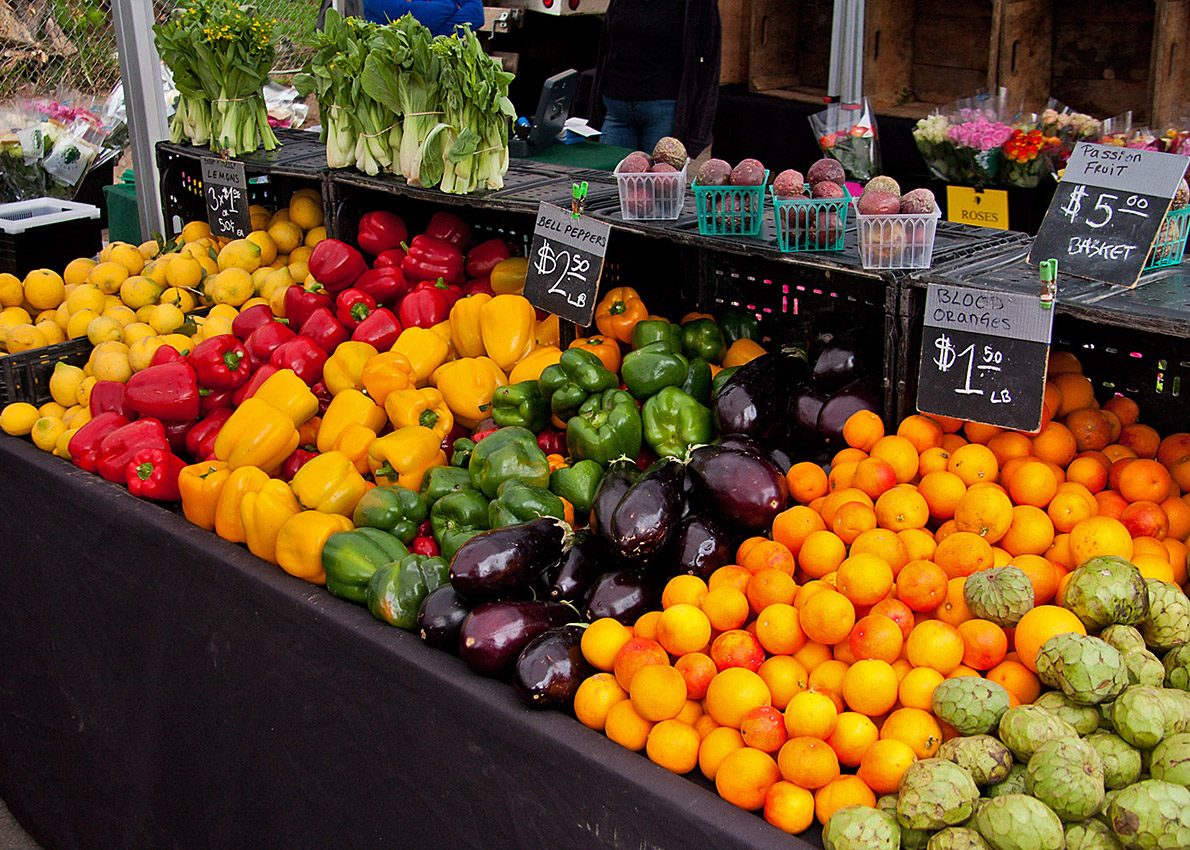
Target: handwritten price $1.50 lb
x=565 y=263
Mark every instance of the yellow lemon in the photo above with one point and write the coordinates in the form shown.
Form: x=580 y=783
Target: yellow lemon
x=64 y=383
x=179 y=342
x=231 y=286
x=137 y=331
x=307 y=192
x=20 y=314
x=240 y=254
x=279 y=215
x=300 y=255
x=216 y=326
x=143 y=313
x=112 y=366
x=123 y=315
x=12 y=294
x=86 y=297
x=46 y=431
x=315 y=236
x=53 y=409
x=76 y=417
x=299 y=271
x=105 y=329
x=268 y=248
x=83 y=394
x=277 y=301
x=141 y=351
x=44 y=316
x=129 y=256
x=62 y=447
x=209 y=265
x=306 y=212
x=138 y=291
x=44 y=289
x=260 y=276
x=108 y=276
x=78 y=323
x=149 y=249
x=195 y=230
x=8 y=321
x=110 y=301
x=184 y=270
x=155 y=270
x=18 y=418
x=281 y=262
x=78 y=270
x=183 y=299
x=276 y=279
x=285 y=235
x=223 y=310
x=166 y=318
x=25 y=338
x=62 y=316
x=252 y=302
x=53 y=333
x=105 y=255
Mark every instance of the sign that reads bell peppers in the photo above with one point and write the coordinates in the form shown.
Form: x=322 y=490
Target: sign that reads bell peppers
x=225 y=189
x=565 y=263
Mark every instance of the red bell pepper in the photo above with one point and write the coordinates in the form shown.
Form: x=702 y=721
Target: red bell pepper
x=303 y=356
x=294 y=462
x=426 y=529
x=478 y=285
x=168 y=391
x=323 y=395
x=379 y=231
x=153 y=474
x=380 y=330
x=266 y=339
x=175 y=432
x=486 y=256
x=249 y=389
x=84 y=445
x=424 y=546
x=109 y=395
x=249 y=320
x=209 y=400
x=552 y=441
x=121 y=445
x=427 y=305
x=385 y=284
x=450 y=228
x=335 y=264
x=301 y=301
x=430 y=258
x=324 y=330
x=484 y=430
x=392 y=258
x=221 y=362
x=352 y=306
x=166 y=354
x=200 y=439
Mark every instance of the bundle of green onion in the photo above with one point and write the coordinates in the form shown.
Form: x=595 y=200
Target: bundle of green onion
x=220 y=55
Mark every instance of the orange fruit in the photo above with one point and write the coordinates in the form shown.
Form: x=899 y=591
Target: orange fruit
x=827 y=678
x=1033 y=483
x=684 y=589
x=949 y=424
x=809 y=589
x=1144 y=480
x=854 y=733
x=697 y=669
x=633 y=655
x=683 y=628
x=1149 y=546
x=602 y=640
x=986 y=511
x=778 y=628
x=915 y=727
x=870 y=686
x=932 y=460
x=1039 y=625
x=1090 y=470
x=769 y=555
x=864 y=578
x=807 y=762
x=1008 y=445
x=840 y=793
x=810 y=713
x=884 y=544
x=1125 y=408
x=1151 y=566
x=941 y=491
x=737 y=648
x=627 y=728
x=935 y=644
x=1066 y=510
x=922 y=431
x=768 y=587
x=953 y=608
x=646 y=625
x=899 y=509
x=1055 y=444
x=658 y=692
x=876 y=637
x=974 y=463
x=1031 y=531
x=921 y=585
x=862 y=430
x=1177 y=512
x=1142 y=439
x=1077 y=392
x=851 y=520
x=745 y=776
x=715 y=747
x=963 y=553
x=788 y=807
x=1115 y=452
x=1091 y=428
x=984 y=644
x=673 y=745
x=729 y=575
x=726 y=608
x=847 y=455
x=764 y=729
x=1109 y=503
x=1145 y=519
x=785 y=676
x=791 y=527
x=1020 y=682
x=977 y=432
x=595 y=698
x=916 y=690
x=884 y=763
x=827 y=617
x=1043 y=575
x=1173 y=448
x=838 y=498
x=821 y=553
x=744 y=548
x=900 y=454
x=874 y=476
x=807 y=481
x=1099 y=535
x=841 y=476
x=1062 y=361
x=919 y=544
x=950 y=442
x=733 y=693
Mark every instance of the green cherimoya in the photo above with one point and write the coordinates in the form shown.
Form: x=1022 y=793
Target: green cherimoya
x=935 y=793
x=1001 y=594
x=1139 y=716
x=957 y=838
x=1176 y=664
x=1106 y=590
x=1121 y=760
x=1087 y=669
x=1014 y=783
x=1091 y=835
x=1144 y=668
x=1168 y=623
x=1024 y=728
x=861 y=828
x=973 y=706
x=984 y=757
x=1019 y=822
x=1151 y=815
x=1170 y=760
x=1176 y=704
x=1084 y=718
x=1067 y=775
x=1123 y=638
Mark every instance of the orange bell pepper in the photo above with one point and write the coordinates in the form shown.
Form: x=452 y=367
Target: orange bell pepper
x=556 y=462
x=548 y=331
x=349 y=406
x=387 y=371
x=243 y=480
x=300 y=541
x=423 y=407
x=200 y=485
x=308 y=433
x=344 y=369
x=425 y=350
x=607 y=350
x=508 y=277
x=354 y=441
x=534 y=363
x=467 y=385
x=690 y=317
x=507 y=323
x=464 y=324
x=742 y=351
x=618 y=312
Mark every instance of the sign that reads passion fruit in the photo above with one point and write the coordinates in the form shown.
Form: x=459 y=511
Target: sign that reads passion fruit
x=225 y=189
x=1107 y=211
x=983 y=356
x=565 y=263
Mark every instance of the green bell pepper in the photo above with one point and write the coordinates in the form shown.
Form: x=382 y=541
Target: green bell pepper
x=349 y=559
x=442 y=481
x=577 y=375
x=460 y=452
x=578 y=485
x=606 y=427
x=702 y=338
x=721 y=378
x=739 y=324
x=508 y=453
x=456 y=518
x=395 y=591
x=518 y=502
x=397 y=510
x=674 y=421
x=657 y=330
x=520 y=404
x=698 y=380
x=652 y=368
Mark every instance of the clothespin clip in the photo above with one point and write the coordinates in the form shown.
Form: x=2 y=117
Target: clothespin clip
x=578 y=194
x=1049 y=283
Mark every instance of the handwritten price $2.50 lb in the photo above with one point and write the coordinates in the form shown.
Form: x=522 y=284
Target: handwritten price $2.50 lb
x=566 y=263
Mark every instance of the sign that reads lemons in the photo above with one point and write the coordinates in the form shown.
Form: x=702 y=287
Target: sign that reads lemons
x=225 y=190
x=980 y=207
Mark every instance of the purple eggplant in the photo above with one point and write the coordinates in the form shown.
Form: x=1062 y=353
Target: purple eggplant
x=701 y=546
x=753 y=401
x=739 y=487
x=549 y=670
x=623 y=595
x=849 y=355
x=646 y=517
x=860 y=394
x=494 y=634
x=441 y=616
x=739 y=442
x=804 y=408
x=620 y=475
x=570 y=578
x=503 y=560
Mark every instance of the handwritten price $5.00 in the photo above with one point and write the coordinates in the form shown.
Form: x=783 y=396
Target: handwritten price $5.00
x=1133 y=205
x=572 y=269
x=947 y=358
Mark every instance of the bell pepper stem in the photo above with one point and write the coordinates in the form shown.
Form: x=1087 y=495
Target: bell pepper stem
x=145 y=471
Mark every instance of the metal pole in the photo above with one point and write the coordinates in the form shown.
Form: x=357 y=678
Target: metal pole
x=144 y=101
x=853 y=89
x=834 y=85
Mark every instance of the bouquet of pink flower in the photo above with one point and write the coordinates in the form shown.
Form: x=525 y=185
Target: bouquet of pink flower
x=1060 y=122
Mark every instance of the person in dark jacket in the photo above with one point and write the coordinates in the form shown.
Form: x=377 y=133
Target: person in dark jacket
x=658 y=73
x=440 y=17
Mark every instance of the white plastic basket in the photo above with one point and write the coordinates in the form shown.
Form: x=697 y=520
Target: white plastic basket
x=897 y=241
x=20 y=216
x=652 y=197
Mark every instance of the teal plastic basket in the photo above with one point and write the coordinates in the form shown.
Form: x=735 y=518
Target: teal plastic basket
x=811 y=224
x=730 y=210
x=1170 y=245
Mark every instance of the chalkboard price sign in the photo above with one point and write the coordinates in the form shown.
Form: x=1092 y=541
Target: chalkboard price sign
x=1107 y=211
x=565 y=263
x=225 y=188
x=984 y=356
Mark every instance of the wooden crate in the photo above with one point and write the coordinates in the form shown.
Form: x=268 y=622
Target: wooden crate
x=790 y=48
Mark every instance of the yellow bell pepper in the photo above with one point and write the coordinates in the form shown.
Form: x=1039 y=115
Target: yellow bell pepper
x=347 y=407
x=243 y=479
x=464 y=324
x=354 y=441
x=257 y=434
x=263 y=512
x=387 y=371
x=443 y=331
x=329 y=483
x=419 y=407
x=308 y=433
x=300 y=542
x=547 y=331
x=404 y=456
x=200 y=485
x=742 y=351
x=344 y=369
x=534 y=363
x=467 y=385
x=507 y=324
x=508 y=277
x=286 y=392
x=425 y=349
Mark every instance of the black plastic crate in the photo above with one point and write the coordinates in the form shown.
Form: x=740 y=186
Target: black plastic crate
x=41 y=244
x=26 y=376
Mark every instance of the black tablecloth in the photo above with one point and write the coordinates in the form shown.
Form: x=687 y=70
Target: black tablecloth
x=162 y=688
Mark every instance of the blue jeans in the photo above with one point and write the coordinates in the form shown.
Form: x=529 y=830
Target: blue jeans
x=637 y=124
